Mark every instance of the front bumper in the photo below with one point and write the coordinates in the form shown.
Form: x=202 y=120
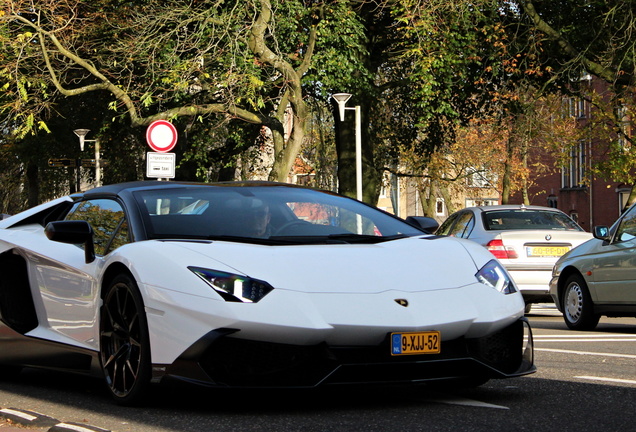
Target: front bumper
x=220 y=360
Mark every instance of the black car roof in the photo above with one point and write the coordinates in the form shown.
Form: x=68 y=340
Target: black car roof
x=116 y=189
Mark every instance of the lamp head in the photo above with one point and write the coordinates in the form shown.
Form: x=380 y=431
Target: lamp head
x=341 y=99
x=81 y=133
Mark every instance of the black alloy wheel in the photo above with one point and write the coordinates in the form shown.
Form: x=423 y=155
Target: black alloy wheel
x=124 y=341
x=578 y=309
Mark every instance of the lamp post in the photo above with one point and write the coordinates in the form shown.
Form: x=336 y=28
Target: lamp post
x=81 y=133
x=341 y=99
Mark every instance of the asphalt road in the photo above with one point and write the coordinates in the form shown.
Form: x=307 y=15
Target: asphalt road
x=586 y=381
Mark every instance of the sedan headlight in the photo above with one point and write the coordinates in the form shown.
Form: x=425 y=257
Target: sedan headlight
x=494 y=275
x=233 y=287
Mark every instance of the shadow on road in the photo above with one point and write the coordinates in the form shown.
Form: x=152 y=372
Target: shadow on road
x=529 y=403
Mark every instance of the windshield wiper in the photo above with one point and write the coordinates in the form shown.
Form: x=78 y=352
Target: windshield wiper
x=254 y=240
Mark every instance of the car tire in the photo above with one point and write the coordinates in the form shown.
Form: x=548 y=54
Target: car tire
x=124 y=341
x=578 y=309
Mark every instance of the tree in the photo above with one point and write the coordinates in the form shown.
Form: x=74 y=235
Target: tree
x=574 y=39
x=191 y=59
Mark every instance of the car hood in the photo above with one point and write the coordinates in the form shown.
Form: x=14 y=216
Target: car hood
x=411 y=264
x=589 y=247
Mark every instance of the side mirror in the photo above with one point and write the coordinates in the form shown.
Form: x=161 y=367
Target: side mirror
x=73 y=232
x=424 y=223
x=601 y=232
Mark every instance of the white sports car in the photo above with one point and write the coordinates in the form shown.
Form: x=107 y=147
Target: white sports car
x=249 y=285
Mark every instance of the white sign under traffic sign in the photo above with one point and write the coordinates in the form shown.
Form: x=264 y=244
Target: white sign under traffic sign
x=160 y=165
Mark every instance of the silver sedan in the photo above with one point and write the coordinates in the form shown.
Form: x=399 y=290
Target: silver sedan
x=599 y=277
x=527 y=240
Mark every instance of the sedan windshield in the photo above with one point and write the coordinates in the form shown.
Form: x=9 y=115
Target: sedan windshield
x=525 y=219
x=264 y=214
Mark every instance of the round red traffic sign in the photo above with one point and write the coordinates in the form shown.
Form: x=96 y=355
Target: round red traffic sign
x=161 y=136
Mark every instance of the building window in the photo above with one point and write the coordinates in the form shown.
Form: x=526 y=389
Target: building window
x=478 y=178
x=573 y=174
x=439 y=207
x=581 y=111
x=574 y=215
x=624 y=125
x=552 y=201
x=481 y=202
x=623 y=196
x=576 y=107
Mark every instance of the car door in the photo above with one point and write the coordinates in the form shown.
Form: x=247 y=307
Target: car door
x=68 y=285
x=615 y=266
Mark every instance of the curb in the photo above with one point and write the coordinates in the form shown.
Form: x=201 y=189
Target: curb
x=37 y=420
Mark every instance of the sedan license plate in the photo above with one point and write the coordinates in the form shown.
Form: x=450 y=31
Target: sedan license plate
x=546 y=251
x=416 y=343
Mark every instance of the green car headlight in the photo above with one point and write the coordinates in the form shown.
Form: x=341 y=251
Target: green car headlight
x=233 y=287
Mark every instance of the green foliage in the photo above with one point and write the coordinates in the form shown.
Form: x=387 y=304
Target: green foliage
x=419 y=69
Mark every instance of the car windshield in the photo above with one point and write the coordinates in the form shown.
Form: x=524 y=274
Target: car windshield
x=264 y=214
x=528 y=219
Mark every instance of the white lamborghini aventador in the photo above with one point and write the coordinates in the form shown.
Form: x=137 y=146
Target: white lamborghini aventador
x=249 y=285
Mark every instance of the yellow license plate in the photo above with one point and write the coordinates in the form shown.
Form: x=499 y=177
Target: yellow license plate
x=416 y=343
x=547 y=251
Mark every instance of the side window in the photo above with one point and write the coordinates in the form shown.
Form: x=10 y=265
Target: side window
x=445 y=228
x=108 y=221
x=464 y=225
x=627 y=229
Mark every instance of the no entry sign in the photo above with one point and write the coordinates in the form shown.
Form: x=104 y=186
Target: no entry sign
x=161 y=136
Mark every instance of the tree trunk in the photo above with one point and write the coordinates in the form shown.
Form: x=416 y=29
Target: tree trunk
x=507 y=176
x=524 y=156
x=346 y=154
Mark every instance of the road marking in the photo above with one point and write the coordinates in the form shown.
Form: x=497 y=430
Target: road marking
x=586 y=338
x=615 y=380
x=65 y=427
x=593 y=336
x=20 y=414
x=453 y=400
x=633 y=339
x=629 y=356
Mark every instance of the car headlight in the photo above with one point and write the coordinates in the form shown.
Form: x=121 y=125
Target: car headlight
x=494 y=275
x=233 y=287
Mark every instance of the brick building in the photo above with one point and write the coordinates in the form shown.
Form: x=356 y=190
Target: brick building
x=589 y=199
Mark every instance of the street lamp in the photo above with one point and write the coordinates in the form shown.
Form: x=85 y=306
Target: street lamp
x=341 y=99
x=81 y=133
